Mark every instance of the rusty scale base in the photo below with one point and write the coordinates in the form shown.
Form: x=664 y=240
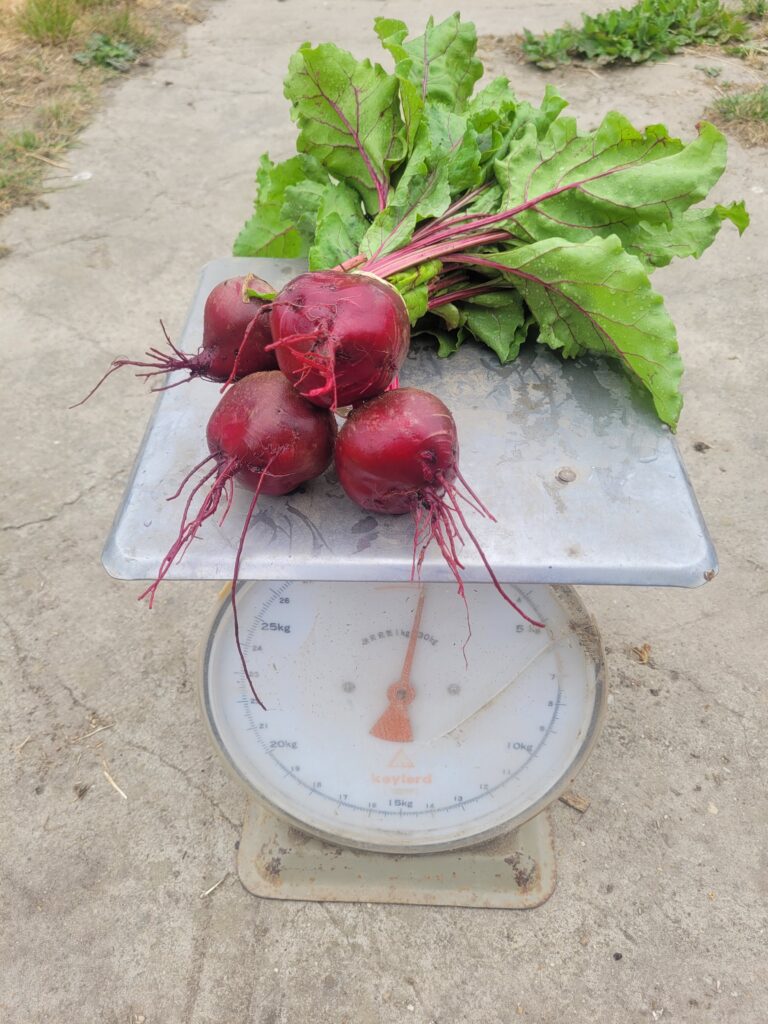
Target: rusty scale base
x=515 y=871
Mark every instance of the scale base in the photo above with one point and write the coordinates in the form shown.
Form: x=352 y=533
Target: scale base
x=515 y=871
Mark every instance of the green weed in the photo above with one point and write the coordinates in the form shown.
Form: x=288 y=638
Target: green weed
x=106 y=52
x=122 y=27
x=648 y=31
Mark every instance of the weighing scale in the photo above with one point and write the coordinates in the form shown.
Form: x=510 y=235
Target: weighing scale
x=412 y=744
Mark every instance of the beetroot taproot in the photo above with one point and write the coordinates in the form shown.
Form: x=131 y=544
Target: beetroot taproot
x=399 y=453
x=339 y=337
x=266 y=437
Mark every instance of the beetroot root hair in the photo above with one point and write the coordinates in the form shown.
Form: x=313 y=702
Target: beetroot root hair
x=221 y=478
x=158 y=362
x=311 y=362
x=439 y=517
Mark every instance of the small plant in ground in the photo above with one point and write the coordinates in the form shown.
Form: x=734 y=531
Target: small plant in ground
x=123 y=27
x=26 y=156
x=754 y=51
x=755 y=10
x=649 y=30
x=744 y=106
x=21 y=166
x=59 y=119
x=743 y=113
x=104 y=52
x=47 y=21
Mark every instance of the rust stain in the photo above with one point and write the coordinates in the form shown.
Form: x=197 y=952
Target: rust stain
x=525 y=869
x=273 y=868
x=297 y=837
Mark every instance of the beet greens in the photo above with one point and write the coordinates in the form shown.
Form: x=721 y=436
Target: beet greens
x=497 y=220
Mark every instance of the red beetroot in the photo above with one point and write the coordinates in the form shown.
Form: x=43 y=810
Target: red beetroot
x=236 y=330
x=236 y=334
x=399 y=453
x=268 y=438
x=339 y=337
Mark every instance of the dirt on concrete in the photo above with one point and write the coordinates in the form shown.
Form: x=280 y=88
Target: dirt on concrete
x=116 y=814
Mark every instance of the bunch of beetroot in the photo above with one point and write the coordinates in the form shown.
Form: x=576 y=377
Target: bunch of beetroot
x=468 y=216
x=338 y=339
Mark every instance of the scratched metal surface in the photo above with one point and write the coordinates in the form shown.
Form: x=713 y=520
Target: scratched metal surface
x=626 y=515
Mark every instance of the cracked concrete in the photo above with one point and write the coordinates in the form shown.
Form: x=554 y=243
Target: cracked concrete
x=102 y=918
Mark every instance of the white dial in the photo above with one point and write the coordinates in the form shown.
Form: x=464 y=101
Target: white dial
x=388 y=726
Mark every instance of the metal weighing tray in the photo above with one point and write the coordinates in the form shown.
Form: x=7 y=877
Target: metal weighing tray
x=586 y=485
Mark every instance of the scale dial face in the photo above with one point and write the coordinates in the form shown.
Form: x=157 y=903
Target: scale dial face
x=387 y=728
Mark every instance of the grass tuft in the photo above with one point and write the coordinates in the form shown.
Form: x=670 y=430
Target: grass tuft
x=755 y=10
x=29 y=155
x=744 y=106
x=49 y=22
x=745 y=114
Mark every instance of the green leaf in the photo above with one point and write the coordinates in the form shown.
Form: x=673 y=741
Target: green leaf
x=450 y=314
x=488 y=201
x=552 y=105
x=500 y=118
x=413 y=287
x=301 y=205
x=340 y=227
x=690 y=234
x=608 y=181
x=268 y=232
x=498 y=319
x=494 y=103
x=594 y=297
x=498 y=104
x=445 y=161
x=349 y=118
x=440 y=62
x=437 y=67
x=735 y=212
x=448 y=342
x=416 y=302
x=422 y=273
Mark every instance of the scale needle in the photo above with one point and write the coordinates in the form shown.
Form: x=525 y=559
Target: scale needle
x=394 y=724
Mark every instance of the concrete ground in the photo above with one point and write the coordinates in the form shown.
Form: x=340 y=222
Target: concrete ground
x=660 y=911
